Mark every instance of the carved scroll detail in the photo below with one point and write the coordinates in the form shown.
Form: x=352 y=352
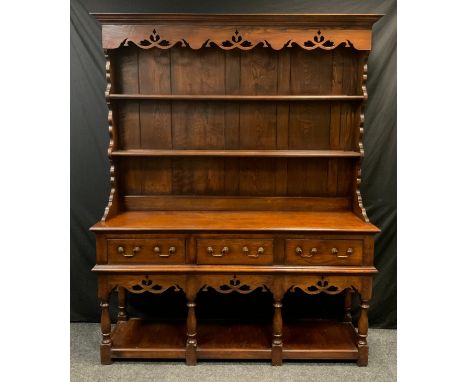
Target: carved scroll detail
x=235 y=285
x=321 y=285
x=154 y=40
x=237 y=40
x=112 y=203
x=148 y=285
x=358 y=203
x=319 y=41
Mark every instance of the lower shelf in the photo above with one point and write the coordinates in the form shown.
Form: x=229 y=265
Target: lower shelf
x=137 y=338
x=312 y=339
x=319 y=339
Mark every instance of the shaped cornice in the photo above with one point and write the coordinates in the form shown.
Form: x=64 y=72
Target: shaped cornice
x=227 y=37
x=338 y=20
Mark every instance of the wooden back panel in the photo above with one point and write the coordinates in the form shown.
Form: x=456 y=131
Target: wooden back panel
x=237 y=125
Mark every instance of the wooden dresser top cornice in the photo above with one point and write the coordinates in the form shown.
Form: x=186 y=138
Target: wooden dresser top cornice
x=236 y=31
x=341 y=21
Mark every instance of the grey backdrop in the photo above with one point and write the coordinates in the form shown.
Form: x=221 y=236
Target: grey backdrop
x=89 y=141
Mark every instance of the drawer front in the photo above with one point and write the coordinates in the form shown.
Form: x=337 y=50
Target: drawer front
x=323 y=252
x=235 y=251
x=149 y=251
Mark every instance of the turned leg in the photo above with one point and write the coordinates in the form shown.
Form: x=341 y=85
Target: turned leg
x=347 y=305
x=363 y=325
x=277 y=345
x=122 y=315
x=106 y=342
x=191 y=346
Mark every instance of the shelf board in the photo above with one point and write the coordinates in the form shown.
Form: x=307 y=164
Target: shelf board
x=218 y=221
x=138 y=338
x=233 y=340
x=319 y=339
x=223 y=97
x=239 y=153
x=309 y=339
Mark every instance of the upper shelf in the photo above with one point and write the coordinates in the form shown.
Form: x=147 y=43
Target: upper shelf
x=222 y=97
x=240 y=153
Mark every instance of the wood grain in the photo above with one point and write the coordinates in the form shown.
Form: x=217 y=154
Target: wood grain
x=318 y=221
x=155 y=117
x=126 y=78
x=233 y=203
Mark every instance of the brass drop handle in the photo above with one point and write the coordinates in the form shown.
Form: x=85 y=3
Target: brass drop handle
x=246 y=251
x=301 y=253
x=121 y=250
x=224 y=251
x=157 y=250
x=349 y=252
x=260 y=251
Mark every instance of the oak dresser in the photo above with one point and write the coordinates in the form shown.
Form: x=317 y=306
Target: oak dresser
x=235 y=152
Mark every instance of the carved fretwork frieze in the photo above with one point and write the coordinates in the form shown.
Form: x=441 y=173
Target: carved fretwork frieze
x=141 y=284
x=320 y=41
x=322 y=285
x=230 y=37
x=234 y=284
x=154 y=40
x=244 y=284
x=236 y=41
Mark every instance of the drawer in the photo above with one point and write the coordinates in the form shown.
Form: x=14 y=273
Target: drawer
x=235 y=251
x=323 y=252
x=150 y=251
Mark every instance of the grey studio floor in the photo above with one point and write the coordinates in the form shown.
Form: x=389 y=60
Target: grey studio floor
x=85 y=365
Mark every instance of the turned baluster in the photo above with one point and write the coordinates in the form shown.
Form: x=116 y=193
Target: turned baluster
x=191 y=346
x=106 y=342
x=363 y=326
x=348 y=304
x=122 y=296
x=277 y=345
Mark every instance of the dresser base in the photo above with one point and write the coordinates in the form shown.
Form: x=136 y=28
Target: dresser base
x=274 y=339
x=311 y=339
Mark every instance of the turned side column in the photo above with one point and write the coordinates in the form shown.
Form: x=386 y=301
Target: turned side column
x=122 y=297
x=106 y=342
x=363 y=326
x=348 y=305
x=365 y=293
x=191 y=344
x=277 y=341
x=277 y=344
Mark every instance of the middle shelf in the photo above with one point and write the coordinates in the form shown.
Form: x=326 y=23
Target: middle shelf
x=236 y=97
x=238 y=153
